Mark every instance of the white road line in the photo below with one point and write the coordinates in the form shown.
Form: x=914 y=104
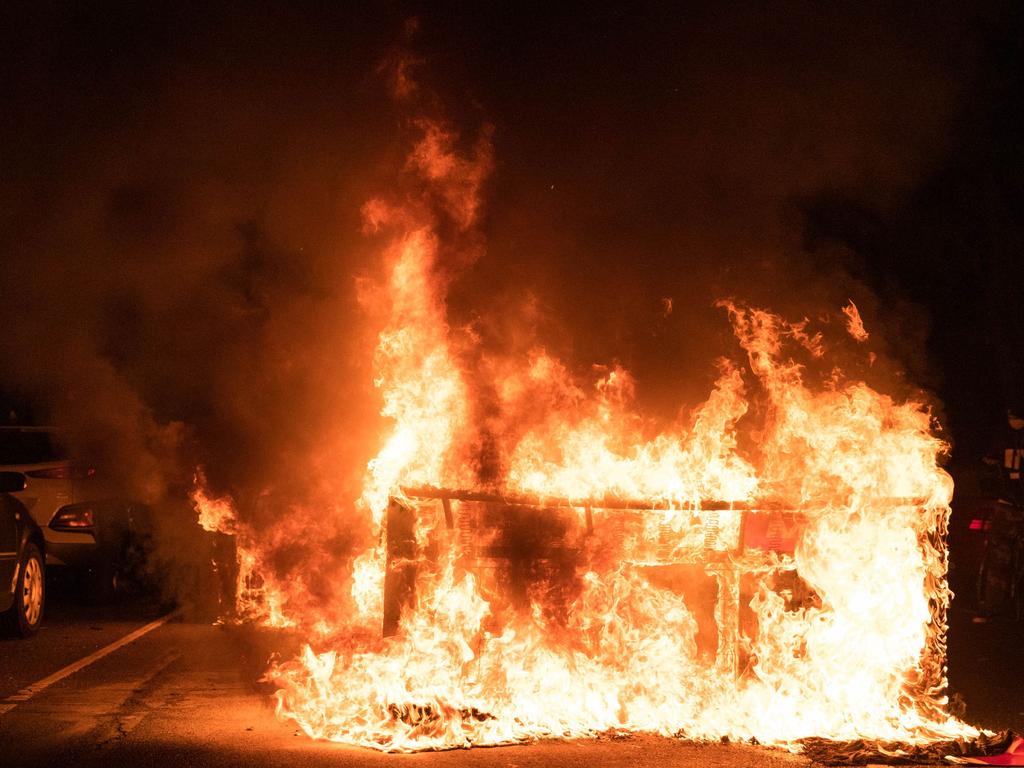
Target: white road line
x=27 y=693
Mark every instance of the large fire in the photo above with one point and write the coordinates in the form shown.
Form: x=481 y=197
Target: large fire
x=551 y=563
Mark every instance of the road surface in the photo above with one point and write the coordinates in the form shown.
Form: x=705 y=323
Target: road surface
x=147 y=690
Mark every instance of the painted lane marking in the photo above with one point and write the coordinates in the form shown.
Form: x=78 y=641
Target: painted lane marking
x=27 y=693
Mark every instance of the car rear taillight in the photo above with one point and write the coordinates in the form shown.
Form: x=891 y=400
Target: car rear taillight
x=63 y=473
x=978 y=524
x=74 y=517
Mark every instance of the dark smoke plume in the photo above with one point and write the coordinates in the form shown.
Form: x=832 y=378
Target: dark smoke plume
x=180 y=213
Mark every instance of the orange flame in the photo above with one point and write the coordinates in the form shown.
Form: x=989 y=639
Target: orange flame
x=212 y=514
x=604 y=572
x=854 y=324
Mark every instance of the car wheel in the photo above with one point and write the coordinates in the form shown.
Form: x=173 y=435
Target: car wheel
x=25 y=616
x=993 y=591
x=982 y=588
x=1018 y=586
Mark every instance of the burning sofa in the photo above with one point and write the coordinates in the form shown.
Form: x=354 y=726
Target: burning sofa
x=714 y=555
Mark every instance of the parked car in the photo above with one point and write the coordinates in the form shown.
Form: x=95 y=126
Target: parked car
x=87 y=529
x=968 y=533
x=1000 y=583
x=22 y=563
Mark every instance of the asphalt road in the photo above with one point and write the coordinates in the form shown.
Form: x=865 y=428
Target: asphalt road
x=188 y=694
x=986 y=670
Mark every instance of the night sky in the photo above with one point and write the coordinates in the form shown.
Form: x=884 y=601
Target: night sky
x=180 y=193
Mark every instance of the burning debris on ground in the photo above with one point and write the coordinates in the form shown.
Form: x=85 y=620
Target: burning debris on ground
x=862 y=752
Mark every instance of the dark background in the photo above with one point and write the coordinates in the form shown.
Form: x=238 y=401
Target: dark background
x=180 y=187
x=180 y=240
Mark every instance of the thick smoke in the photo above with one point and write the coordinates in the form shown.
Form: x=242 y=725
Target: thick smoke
x=181 y=227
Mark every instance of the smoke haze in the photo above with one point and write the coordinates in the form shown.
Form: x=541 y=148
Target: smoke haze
x=183 y=244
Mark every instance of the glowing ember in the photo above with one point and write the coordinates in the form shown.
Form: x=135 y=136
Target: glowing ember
x=771 y=566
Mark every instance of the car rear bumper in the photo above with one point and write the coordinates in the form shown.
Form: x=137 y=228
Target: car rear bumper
x=83 y=551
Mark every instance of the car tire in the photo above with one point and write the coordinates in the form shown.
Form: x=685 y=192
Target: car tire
x=24 y=617
x=981 y=585
x=993 y=589
x=1018 y=585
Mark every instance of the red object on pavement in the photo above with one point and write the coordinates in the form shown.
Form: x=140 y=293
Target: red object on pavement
x=1014 y=755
